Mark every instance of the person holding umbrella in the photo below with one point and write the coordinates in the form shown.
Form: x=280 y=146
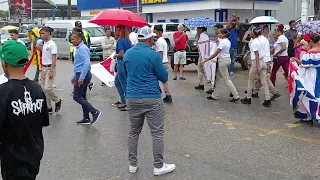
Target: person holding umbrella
x=120 y=81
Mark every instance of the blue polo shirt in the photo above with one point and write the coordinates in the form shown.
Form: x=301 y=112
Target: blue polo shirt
x=122 y=44
x=233 y=38
x=144 y=70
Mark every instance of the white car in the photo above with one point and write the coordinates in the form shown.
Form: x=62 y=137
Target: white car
x=169 y=29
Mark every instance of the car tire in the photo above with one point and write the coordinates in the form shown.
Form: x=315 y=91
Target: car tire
x=101 y=58
x=243 y=63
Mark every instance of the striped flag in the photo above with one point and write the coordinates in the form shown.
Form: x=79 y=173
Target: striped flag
x=104 y=71
x=302 y=89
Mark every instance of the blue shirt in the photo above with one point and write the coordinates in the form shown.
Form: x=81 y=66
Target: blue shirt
x=82 y=61
x=233 y=38
x=144 y=70
x=122 y=44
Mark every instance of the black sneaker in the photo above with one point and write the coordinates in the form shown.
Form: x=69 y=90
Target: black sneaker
x=58 y=106
x=90 y=86
x=266 y=103
x=175 y=78
x=95 y=116
x=235 y=100
x=255 y=95
x=275 y=96
x=84 y=121
x=50 y=110
x=231 y=95
x=199 y=87
x=211 y=98
x=116 y=104
x=182 y=78
x=246 y=101
x=210 y=91
x=303 y=121
x=167 y=99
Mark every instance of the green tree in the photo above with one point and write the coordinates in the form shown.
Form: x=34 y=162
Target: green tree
x=4 y=14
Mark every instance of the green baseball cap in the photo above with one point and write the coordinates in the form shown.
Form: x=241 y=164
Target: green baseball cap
x=14 y=53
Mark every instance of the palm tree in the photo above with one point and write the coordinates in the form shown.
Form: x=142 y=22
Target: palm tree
x=317 y=9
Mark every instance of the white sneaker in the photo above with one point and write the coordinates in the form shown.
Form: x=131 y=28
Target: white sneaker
x=167 y=168
x=133 y=169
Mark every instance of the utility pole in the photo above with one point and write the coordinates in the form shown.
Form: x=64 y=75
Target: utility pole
x=253 y=4
x=69 y=9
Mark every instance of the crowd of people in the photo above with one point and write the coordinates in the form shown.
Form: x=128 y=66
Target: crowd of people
x=141 y=63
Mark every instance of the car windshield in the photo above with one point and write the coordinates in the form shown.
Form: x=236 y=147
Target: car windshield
x=95 y=31
x=23 y=35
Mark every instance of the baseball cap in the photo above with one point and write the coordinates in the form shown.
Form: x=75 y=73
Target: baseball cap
x=78 y=24
x=30 y=27
x=145 y=33
x=256 y=30
x=14 y=53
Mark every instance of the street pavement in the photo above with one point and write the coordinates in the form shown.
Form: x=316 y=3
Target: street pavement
x=207 y=140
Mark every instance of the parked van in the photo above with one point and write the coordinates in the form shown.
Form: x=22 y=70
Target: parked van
x=61 y=32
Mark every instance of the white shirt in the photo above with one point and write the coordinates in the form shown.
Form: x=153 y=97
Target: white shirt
x=161 y=45
x=20 y=41
x=133 y=37
x=255 y=46
x=224 y=45
x=203 y=37
x=277 y=45
x=265 y=49
x=49 y=48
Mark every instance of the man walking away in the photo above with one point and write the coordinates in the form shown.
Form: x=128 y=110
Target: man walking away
x=180 y=57
x=86 y=40
x=144 y=70
x=49 y=59
x=21 y=136
x=233 y=38
x=162 y=49
x=14 y=35
x=81 y=80
x=109 y=46
x=291 y=34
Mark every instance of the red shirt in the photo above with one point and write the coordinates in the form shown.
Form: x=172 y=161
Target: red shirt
x=182 y=44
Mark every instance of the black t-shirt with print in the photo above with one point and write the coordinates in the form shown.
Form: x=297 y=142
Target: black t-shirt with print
x=23 y=113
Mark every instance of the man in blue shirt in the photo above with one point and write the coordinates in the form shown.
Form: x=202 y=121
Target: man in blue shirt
x=144 y=70
x=81 y=79
x=233 y=38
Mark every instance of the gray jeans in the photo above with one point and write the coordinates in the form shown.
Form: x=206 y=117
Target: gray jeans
x=153 y=110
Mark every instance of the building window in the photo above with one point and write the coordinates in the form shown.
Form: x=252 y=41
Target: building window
x=161 y=21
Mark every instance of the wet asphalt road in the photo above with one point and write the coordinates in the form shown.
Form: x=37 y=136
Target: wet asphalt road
x=207 y=140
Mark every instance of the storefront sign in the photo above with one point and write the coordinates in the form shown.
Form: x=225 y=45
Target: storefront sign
x=94 y=12
x=153 y=1
x=122 y=2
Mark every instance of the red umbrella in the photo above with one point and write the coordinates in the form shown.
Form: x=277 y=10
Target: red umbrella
x=115 y=17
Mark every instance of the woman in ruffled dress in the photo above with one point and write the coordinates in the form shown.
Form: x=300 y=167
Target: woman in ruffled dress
x=307 y=93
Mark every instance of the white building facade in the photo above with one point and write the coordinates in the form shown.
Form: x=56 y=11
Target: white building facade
x=218 y=10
